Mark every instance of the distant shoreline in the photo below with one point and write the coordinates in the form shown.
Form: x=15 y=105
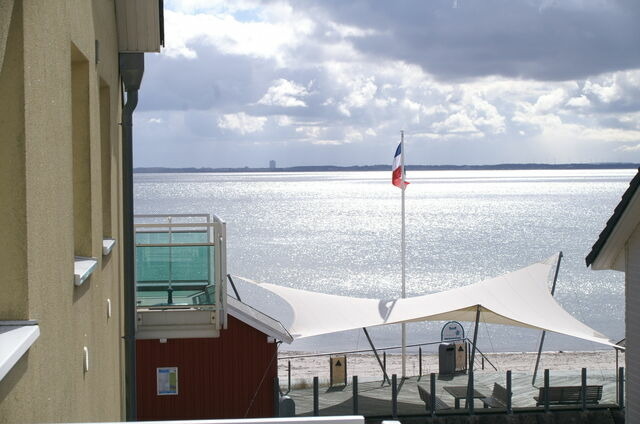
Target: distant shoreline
x=357 y=168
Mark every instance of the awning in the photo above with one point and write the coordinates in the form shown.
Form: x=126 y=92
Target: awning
x=520 y=298
x=16 y=337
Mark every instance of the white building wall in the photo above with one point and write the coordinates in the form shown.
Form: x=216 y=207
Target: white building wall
x=632 y=319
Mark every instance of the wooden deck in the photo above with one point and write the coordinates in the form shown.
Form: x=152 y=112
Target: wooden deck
x=374 y=400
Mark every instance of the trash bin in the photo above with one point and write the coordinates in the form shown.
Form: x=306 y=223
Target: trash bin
x=447 y=358
x=287 y=407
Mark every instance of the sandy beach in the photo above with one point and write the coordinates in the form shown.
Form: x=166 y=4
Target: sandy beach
x=365 y=366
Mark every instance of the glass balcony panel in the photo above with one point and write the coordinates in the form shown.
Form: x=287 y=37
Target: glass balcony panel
x=174 y=274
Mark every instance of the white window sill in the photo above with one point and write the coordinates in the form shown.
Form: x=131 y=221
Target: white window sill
x=82 y=269
x=107 y=246
x=16 y=337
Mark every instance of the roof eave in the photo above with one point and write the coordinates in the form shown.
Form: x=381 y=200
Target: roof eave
x=607 y=251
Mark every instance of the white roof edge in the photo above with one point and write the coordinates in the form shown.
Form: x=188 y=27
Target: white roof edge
x=611 y=255
x=257 y=320
x=15 y=340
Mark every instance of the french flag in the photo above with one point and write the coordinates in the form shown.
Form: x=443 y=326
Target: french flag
x=398 y=169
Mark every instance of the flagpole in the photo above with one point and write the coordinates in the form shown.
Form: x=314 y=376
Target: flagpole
x=404 y=326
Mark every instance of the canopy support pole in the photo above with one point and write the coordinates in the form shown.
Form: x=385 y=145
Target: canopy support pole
x=475 y=339
x=375 y=352
x=473 y=357
x=553 y=289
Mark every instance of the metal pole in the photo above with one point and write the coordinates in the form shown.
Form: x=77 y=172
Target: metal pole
x=621 y=387
x=553 y=290
x=276 y=397
x=583 y=389
x=475 y=339
x=375 y=352
x=288 y=376
x=404 y=326
x=470 y=391
x=509 y=394
x=355 y=394
x=419 y=363
x=316 y=403
x=473 y=357
x=432 y=386
x=233 y=286
x=617 y=366
x=394 y=396
x=546 y=390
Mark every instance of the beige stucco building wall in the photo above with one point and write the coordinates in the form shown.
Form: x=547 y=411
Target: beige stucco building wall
x=57 y=144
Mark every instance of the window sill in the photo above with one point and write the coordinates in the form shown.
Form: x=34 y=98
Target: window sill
x=107 y=246
x=16 y=337
x=83 y=268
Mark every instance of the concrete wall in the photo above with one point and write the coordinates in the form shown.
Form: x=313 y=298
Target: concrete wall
x=632 y=320
x=38 y=161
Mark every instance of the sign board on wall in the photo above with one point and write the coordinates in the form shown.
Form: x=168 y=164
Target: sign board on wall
x=167 y=380
x=451 y=331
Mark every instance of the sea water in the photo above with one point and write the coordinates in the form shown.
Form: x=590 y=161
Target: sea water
x=339 y=233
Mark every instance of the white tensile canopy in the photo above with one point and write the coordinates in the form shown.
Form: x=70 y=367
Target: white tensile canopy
x=520 y=298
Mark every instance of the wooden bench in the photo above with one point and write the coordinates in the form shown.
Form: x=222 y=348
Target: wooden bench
x=559 y=395
x=498 y=398
x=426 y=398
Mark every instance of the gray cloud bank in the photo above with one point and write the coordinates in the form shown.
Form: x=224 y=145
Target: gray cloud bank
x=333 y=82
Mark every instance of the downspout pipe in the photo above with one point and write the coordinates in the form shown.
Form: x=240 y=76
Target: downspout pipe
x=131 y=71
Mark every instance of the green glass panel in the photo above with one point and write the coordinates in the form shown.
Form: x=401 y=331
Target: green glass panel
x=186 y=268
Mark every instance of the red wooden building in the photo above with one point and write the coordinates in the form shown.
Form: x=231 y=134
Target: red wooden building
x=229 y=376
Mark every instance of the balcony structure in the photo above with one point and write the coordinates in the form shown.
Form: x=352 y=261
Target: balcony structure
x=180 y=276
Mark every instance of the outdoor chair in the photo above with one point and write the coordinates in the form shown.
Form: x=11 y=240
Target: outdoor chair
x=498 y=398
x=426 y=398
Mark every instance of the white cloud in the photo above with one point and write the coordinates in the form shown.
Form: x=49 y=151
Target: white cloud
x=284 y=93
x=579 y=102
x=242 y=123
x=635 y=148
x=264 y=53
x=361 y=91
x=550 y=101
x=268 y=40
x=456 y=123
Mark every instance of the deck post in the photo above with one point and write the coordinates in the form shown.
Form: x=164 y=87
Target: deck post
x=509 y=394
x=419 y=362
x=470 y=393
x=553 y=290
x=621 y=387
x=375 y=352
x=316 y=403
x=583 y=389
x=354 y=387
x=276 y=397
x=432 y=384
x=546 y=390
x=617 y=368
x=394 y=396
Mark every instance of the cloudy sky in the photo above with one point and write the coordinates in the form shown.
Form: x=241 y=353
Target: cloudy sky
x=333 y=82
